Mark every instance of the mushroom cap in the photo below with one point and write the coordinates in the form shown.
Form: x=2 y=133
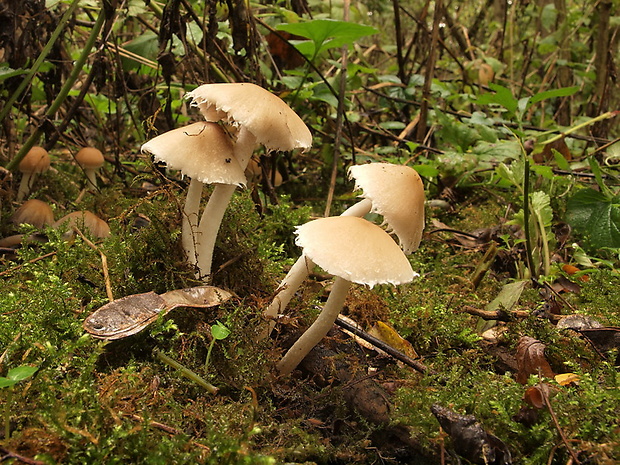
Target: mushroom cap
x=36 y=160
x=89 y=158
x=354 y=249
x=264 y=114
x=86 y=220
x=34 y=212
x=202 y=151
x=396 y=193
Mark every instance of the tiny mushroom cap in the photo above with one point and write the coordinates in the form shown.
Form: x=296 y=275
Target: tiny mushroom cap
x=34 y=212
x=90 y=159
x=396 y=192
x=83 y=220
x=36 y=161
x=202 y=151
x=354 y=250
x=246 y=105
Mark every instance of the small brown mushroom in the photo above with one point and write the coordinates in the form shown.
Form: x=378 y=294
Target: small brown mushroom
x=90 y=159
x=34 y=212
x=83 y=220
x=36 y=161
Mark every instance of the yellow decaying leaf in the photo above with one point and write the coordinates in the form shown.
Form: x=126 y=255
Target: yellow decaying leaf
x=389 y=335
x=564 y=379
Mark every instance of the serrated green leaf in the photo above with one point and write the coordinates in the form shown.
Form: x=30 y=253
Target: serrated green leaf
x=541 y=206
x=500 y=96
x=596 y=216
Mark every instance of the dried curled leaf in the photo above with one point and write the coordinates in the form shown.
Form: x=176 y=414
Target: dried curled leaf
x=131 y=314
x=531 y=359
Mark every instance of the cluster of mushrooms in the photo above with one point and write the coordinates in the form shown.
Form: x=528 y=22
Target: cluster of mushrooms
x=239 y=118
x=38 y=213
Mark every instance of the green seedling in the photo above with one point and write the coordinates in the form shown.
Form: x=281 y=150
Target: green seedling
x=219 y=332
x=14 y=376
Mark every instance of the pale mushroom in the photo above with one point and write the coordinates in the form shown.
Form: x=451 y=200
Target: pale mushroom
x=84 y=220
x=260 y=117
x=204 y=152
x=34 y=212
x=354 y=250
x=90 y=159
x=393 y=191
x=36 y=161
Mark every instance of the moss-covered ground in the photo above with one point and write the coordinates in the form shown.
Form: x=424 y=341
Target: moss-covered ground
x=99 y=402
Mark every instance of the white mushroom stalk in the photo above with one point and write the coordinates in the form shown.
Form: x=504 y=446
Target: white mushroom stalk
x=204 y=152
x=35 y=162
x=353 y=250
x=260 y=118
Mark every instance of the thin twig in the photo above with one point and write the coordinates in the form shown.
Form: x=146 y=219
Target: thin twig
x=168 y=429
x=397 y=354
x=104 y=263
x=557 y=425
x=339 y=117
x=7 y=454
x=15 y=268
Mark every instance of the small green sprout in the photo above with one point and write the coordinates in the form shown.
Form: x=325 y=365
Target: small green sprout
x=218 y=332
x=14 y=376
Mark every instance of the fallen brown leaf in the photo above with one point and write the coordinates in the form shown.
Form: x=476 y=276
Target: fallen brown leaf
x=531 y=359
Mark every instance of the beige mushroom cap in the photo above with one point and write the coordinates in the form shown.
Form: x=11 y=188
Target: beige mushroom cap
x=397 y=194
x=202 y=151
x=36 y=160
x=354 y=249
x=34 y=212
x=90 y=158
x=83 y=220
x=264 y=114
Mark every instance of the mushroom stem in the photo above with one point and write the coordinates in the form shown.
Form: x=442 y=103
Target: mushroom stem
x=91 y=179
x=318 y=330
x=24 y=186
x=300 y=271
x=218 y=202
x=289 y=285
x=360 y=209
x=190 y=220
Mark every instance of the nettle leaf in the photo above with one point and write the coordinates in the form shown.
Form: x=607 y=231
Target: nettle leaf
x=595 y=215
x=325 y=34
x=500 y=96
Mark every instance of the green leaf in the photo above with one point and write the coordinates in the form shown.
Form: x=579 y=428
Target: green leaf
x=596 y=216
x=219 y=331
x=17 y=374
x=562 y=92
x=22 y=372
x=6 y=72
x=500 y=96
x=6 y=382
x=325 y=34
